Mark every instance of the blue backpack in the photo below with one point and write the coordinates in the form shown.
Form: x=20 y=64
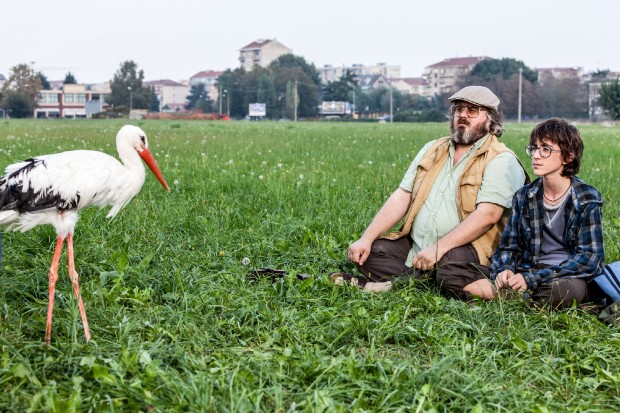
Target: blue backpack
x=609 y=280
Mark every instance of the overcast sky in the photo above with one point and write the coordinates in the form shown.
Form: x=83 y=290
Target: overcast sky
x=176 y=39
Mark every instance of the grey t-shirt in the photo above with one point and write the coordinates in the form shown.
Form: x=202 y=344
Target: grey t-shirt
x=553 y=248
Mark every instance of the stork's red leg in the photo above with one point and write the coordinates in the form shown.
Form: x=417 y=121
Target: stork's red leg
x=76 y=286
x=53 y=276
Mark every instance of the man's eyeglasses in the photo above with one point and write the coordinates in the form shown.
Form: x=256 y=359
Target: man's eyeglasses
x=545 y=151
x=470 y=111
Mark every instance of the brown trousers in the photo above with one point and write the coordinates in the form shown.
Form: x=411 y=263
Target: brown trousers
x=458 y=268
x=559 y=293
x=387 y=260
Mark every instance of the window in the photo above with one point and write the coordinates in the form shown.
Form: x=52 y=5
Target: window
x=81 y=98
x=69 y=98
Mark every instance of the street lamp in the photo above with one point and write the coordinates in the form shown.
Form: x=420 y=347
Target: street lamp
x=353 y=106
x=227 y=102
x=391 y=104
x=220 y=98
x=130 y=99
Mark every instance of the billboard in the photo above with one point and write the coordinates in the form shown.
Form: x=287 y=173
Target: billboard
x=258 y=109
x=335 y=108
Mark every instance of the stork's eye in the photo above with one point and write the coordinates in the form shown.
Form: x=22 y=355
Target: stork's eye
x=143 y=138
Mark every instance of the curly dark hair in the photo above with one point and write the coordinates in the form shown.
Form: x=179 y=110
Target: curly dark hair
x=568 y=138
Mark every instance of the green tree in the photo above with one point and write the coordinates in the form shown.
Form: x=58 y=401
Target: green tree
x=45 y=84
x=266 y=94
x=69 y=79
x=341 y=89
x=291 y=100
x=257 y=85
x=609 y=98
x=502 y=77
x=567 y=98
x=506 y=67
x=198 y=99
x=18 y=105
x=600 y=74
x=290 y=70
x=154 y=107
x=21 y=90
x=232 y=96
x=127 y=89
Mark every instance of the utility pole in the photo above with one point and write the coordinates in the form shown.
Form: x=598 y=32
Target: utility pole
x=353 y=108
x=520 y=88
x=295 y=102
x=130 y=99
x=391 y=105
x=220 y=97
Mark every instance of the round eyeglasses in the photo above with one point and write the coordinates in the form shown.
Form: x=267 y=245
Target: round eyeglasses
x=544 y=151
x=469 y=111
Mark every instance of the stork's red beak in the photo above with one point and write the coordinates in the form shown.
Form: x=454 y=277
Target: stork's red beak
x=147 y=157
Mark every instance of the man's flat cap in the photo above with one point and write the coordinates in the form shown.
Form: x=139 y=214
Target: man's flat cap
x=478 y=95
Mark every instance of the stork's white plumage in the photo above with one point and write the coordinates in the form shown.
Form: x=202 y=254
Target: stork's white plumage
x=51 y=189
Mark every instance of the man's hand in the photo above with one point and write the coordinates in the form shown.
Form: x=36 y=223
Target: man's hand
x=427 y=258
x=508 y=279
x=358 y=251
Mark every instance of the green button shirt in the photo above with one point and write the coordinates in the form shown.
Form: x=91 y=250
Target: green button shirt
x=439 y=215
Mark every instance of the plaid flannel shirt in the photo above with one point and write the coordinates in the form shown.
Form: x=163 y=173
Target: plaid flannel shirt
x=519 y=247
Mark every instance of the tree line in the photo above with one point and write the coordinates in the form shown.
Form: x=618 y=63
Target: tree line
x=291 y=88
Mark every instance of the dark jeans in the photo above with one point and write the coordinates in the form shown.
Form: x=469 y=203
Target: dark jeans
x=387 y=260
x=560 y=293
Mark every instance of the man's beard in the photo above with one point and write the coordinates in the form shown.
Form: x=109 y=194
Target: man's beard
x=467 y=137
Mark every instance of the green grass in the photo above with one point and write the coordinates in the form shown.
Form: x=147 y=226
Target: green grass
x=177 y=325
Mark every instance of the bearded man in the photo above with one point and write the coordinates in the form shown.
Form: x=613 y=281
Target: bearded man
x=454 y=199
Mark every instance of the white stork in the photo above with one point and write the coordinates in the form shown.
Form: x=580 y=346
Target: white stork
x=51 y=189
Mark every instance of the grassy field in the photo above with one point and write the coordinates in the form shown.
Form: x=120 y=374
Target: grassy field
x=178 y=326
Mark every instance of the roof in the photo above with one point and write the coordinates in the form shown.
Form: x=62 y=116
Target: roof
x=163 y=82
x=458 y=61
x=257 y=44
x=207 y=73
x=367 y=81
x=558 y=69
x=412 y=81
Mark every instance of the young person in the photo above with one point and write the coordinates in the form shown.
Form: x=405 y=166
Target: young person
x=553 y=242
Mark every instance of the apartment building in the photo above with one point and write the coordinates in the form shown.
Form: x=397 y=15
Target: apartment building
x=559 y=73
x=409 y=85
x=72 y=101
x=172 y=95
x=209 y=79
x=370 y=82
x=261 y=52
x=329 y=73
x=441 y=77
